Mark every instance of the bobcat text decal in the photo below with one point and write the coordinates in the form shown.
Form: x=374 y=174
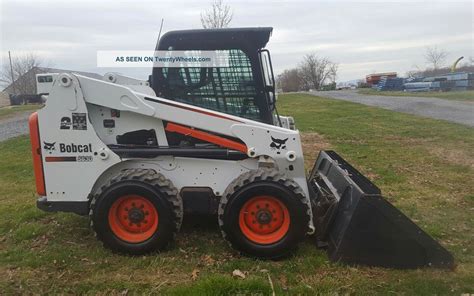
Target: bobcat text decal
x=69 y=148
x=75 y=148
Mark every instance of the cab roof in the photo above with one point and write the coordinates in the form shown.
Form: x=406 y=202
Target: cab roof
x=212 y=39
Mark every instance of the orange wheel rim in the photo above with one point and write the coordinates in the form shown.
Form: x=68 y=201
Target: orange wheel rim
x=264 y=219
x=133 y=218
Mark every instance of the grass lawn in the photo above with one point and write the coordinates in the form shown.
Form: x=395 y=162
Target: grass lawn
x=9 y=110
x=467 y=95
x=424 y=166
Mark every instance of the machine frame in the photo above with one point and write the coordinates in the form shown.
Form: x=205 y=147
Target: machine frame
x=97 y=155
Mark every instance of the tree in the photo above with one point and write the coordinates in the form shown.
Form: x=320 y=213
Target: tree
x=315 y=71
x=21 y=65
x=333 y=68
x=218 y=16
x=289 y=80
x=435 y=57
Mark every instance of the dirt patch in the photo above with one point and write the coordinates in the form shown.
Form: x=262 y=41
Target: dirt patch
x=460 y=156
x=312 y=143
x=456 y=156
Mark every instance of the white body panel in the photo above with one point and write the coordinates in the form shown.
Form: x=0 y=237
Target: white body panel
x=135 y=84
x=88 y=102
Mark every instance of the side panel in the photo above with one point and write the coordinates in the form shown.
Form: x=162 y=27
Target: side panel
x=73 y=155
x=188 y=172
x=109 y=123
x=281 y=145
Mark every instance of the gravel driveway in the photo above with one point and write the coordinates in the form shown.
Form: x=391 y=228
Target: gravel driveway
x=14 y=125
x=454 y=111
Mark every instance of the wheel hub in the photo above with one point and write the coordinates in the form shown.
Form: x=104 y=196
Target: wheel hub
x=264 y=217
x=136 y=215
x=133 y=218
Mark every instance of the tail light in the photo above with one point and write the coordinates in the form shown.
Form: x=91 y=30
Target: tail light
x=36 y=152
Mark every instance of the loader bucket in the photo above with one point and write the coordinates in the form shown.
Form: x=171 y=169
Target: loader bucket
x=360 y=227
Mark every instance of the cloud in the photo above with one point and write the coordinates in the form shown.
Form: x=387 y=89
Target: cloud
x=361 y=36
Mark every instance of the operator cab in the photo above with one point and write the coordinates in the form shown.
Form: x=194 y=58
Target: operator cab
x=246 y=88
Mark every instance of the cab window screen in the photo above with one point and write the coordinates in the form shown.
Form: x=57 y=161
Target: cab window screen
x=226 y=89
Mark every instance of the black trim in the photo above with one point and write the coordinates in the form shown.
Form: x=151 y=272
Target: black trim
x=151 y=152
x=77 y=207
x=199 y=200
x=210 y=39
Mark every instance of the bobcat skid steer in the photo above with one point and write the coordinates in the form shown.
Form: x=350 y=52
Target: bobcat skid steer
x=137 y=156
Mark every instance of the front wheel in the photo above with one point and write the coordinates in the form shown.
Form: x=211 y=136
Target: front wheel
x=264 y=214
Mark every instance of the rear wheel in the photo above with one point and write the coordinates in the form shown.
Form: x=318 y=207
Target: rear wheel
x=264 y=214
x=136 y=212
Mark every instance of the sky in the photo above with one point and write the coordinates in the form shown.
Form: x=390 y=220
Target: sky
x=362 y=37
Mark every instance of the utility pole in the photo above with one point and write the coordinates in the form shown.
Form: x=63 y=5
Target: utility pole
x=11 y=72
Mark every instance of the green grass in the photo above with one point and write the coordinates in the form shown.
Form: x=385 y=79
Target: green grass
x=9 y=110
x=424 y=166
x=467 y=95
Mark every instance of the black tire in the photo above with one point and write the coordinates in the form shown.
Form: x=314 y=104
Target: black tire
x=157 y=190
x=263 y=182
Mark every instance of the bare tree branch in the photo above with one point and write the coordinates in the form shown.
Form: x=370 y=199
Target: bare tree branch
x=289 y=80
x=21 y=65
x=435 y=57
x=218 y=16
x=315 y=71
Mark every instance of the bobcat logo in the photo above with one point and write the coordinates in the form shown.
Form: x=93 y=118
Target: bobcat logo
x=278 y=144
x=49 y=147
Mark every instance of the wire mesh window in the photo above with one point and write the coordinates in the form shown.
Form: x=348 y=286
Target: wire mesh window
x=226 y=89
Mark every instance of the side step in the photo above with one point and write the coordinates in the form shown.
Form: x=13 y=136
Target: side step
x=360 y=226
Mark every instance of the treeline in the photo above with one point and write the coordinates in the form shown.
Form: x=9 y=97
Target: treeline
x=312 y=73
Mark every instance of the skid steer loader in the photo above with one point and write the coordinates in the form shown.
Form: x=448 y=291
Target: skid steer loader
x=135 y=156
